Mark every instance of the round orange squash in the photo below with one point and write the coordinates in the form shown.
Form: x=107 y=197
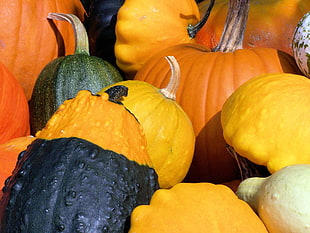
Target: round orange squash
x=28 y=40
x=208 y=78
x=14 y=110
x=195 y=207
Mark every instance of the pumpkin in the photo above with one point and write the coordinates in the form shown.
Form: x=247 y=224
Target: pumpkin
x=208 y=78
x=260 y=120
x=195 y=207
x=300 y=44
x=169 y=131
x=143 y=28
x=270 y=24
x=14 y=117
x=85 y=172
x=63 y=77
x=29 y=41
x=281 y=200
x=100 y=25
x=9 y=153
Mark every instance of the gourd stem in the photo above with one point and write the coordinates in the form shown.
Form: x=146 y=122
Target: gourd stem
x=193 y=29
x=81 y=37
x=233 y=34
x=171 y=89
x=248 y=191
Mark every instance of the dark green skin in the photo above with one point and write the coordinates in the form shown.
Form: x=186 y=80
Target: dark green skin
x=71 y=185
x=62 y=79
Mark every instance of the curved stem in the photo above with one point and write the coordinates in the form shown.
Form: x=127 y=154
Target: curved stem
x=193 y=29
x=81 y=37
x=171 y=89
x=232 y=36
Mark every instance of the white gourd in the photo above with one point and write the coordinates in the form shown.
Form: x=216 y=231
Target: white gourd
x=282 y=200
x=301 y=44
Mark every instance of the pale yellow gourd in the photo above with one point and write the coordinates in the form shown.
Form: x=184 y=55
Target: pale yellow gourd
x=281 y=200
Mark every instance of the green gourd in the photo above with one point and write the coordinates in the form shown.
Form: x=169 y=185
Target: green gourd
x=63 y=77
x=72 y=185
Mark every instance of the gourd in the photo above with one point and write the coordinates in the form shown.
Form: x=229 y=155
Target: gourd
x=144 y=28
x=264 y=29
x=29 y=41
x=260 y=120
x=100 y=26
x=64 y=76
x=85 y=172
x=14 y=117
x=301 y=43
x=208 y=78
x=195 y=207
x=281 y=200
x=169 y=131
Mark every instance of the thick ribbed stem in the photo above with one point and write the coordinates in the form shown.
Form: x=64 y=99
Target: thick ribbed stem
x=171 y=89
x=233 y=34
x=81 y=37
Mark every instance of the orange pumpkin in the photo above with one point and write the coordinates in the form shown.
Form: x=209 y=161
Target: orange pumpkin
x=14 y=117
x=207 y=80
x=28 y=40
x=9 y=152
x=270 y=24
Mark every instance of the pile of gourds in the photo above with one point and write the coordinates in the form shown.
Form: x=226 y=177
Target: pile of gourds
x=154 y=116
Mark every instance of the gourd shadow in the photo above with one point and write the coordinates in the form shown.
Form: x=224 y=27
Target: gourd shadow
x=59 y=38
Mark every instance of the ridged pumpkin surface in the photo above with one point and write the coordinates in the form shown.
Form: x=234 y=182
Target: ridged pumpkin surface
x=29 y=40
x=195 y=207
x=267 y=120
x=100 y=121
x=207 y=80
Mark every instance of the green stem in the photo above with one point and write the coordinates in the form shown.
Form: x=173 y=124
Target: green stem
x=81 y=37
x=193 y=29
x=233 y=34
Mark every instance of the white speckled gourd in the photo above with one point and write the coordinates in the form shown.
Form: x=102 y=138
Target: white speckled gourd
x=301 y=44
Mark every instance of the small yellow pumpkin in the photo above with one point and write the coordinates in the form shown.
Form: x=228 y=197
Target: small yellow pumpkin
x=198 y=208
x=169 y=131
x=267 y=120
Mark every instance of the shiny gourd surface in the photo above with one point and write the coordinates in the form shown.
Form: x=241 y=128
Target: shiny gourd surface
x=168 y=129
x=266 y=120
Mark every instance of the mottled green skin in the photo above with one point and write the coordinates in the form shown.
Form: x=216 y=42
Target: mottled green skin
x=62 y=79
x=70 y=185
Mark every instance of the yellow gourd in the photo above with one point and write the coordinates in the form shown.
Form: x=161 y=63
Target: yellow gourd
x=267 y=120
x=168 y=129
x=197 y=208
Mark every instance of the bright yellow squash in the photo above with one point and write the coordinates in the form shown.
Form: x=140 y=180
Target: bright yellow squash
x=145 y=27
x=197 y=208
x=267 y=120
x=168 y=129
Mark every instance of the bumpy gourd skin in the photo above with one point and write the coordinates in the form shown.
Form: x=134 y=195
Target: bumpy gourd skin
x=72 y=185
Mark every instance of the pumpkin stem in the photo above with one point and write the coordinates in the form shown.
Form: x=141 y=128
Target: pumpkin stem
x=232 y=36
x=116 y=93
x=171 y=89
x=81 y=37
x=193 y=29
